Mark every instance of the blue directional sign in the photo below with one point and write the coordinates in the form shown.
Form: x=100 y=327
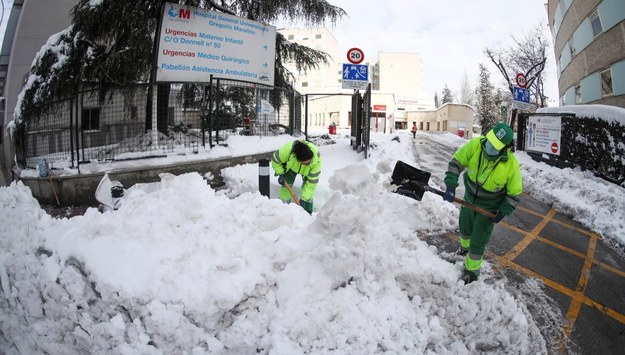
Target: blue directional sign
x=521 y=98
x=355 y=76
x=522 y=95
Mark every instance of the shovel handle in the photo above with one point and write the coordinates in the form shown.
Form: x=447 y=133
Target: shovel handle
x=52 y=184
x=288 y=187
x=462 y=202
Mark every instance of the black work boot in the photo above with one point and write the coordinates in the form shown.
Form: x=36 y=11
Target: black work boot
x=468 y=277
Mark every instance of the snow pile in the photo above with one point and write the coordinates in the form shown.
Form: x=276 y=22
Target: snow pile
x=181 y=268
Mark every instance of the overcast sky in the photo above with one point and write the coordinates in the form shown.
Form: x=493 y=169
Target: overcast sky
x=450 y=35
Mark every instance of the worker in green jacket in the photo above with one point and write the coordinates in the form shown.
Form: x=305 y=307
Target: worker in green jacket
x=298 y=157
x=492 y=180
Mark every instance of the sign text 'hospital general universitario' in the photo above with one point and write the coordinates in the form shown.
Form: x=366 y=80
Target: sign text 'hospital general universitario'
x=194 y=44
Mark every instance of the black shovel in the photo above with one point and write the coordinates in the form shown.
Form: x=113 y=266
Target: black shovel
x=413 y=183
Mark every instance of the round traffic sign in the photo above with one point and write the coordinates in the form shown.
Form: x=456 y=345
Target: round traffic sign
x=355 y=56
x=521 y=80
x=554 y=147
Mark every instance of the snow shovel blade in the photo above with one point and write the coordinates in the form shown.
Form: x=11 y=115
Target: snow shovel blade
x=410 y=181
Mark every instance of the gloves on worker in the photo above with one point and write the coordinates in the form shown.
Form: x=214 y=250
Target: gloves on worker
x=307 y=206
x=451 y=179
x=287 y=177
x=498 y=217
x=449 y=194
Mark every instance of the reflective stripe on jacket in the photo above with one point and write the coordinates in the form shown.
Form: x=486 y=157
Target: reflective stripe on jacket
x=284 y=160
x=498 y=179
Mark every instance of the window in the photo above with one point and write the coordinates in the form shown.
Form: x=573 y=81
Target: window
x=134 y=112
x=606 y=83
x=318 y=35
x=90 y=119
x=291 y=37
x=595 y=22
x=572 y=48
x=305 y=84
x=578 y=94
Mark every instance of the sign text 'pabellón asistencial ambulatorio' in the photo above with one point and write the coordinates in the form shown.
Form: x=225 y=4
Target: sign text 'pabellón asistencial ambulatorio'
x=195 y=43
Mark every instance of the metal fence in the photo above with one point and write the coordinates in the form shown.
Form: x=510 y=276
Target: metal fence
x=361 y=121
x=89 y=129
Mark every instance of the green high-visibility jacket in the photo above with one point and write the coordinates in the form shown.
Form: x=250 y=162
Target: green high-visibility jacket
x=497 y=181
x=284 y=160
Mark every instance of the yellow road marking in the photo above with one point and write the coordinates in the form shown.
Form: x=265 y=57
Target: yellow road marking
x=577 y=296
x=562 y=223
x=529 y=237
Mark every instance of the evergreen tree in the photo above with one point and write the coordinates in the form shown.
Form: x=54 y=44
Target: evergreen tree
x=487 y=111
x=110 y=43
x=436 y=102
x=448 y=97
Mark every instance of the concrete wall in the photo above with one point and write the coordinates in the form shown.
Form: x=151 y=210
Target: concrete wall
x=570 y=24
x=79 y=190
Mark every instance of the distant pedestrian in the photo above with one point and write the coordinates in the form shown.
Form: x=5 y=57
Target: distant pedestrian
x=492 y=181
x=298 y=157
x=414 y=129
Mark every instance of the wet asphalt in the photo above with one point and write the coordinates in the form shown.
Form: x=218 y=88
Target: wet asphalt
x=579 y=304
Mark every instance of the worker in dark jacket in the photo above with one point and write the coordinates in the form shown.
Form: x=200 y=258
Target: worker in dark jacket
x=492 y=181
x=298 y=157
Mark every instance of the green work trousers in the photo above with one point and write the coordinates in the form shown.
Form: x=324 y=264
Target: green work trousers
x=476 y=229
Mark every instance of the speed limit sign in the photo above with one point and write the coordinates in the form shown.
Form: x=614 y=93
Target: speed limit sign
x=521 y=80
x=355 y=56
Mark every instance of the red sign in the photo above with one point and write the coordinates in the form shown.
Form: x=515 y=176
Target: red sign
x=379 y=107
x=554 y=147
x=355 y=56
x=521 y=80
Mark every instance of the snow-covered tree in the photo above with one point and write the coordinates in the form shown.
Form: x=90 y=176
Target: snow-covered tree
x=467 y=93
x=448 y=97
x=437 y=103
x=110 y=43
x=487 y=110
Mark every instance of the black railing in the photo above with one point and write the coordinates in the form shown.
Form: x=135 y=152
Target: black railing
x=89 y=129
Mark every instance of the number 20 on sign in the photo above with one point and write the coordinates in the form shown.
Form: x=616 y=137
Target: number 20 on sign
x=355 y=56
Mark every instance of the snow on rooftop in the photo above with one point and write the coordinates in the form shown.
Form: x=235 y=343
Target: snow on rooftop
x=605 y=112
